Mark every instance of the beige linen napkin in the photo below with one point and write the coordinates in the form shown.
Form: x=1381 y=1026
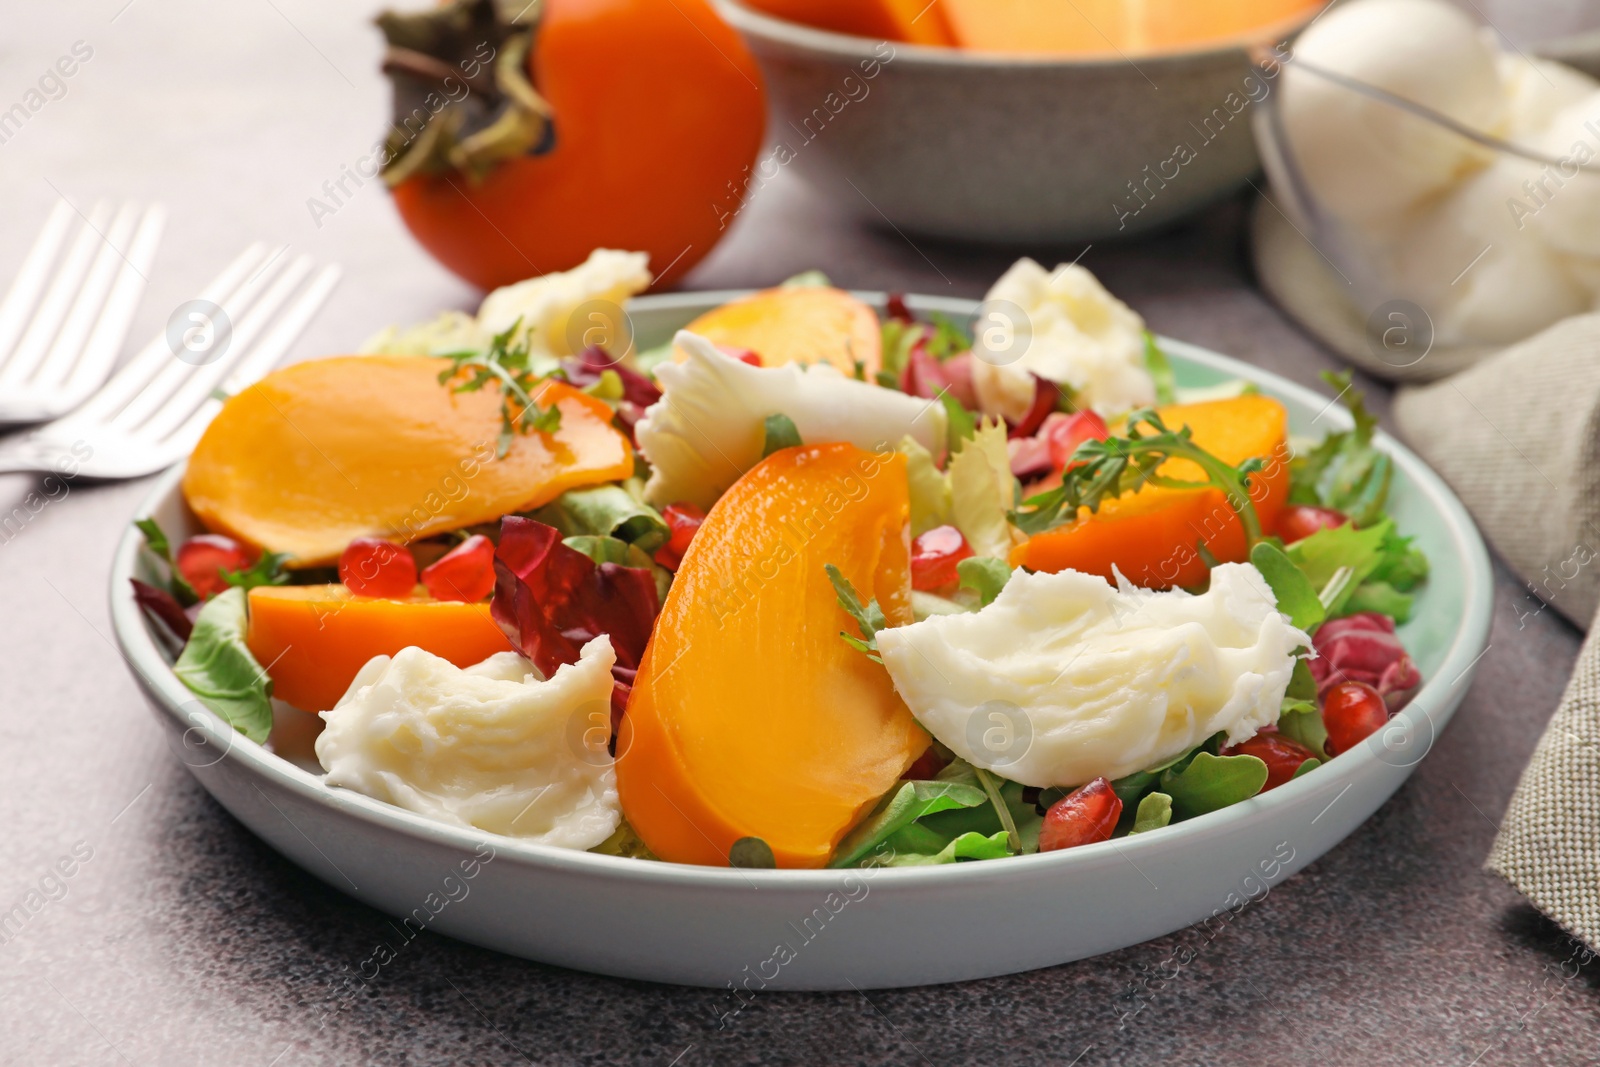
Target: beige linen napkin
x=1518 y=437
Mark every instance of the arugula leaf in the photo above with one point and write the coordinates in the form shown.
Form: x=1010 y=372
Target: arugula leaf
x=1323 y=554
x=1381 y=598
x=1402 y=565
x=267 y=570
x=910 y=802
x=991 y=786
x=1345 y=471
x=960 y=423
x=1306 y=768
x=1210 y=782
x=626 y=843
x=1107 y=469
x=1296 y=596
x=606 y=511
x=1302 y=683
x=985 y=576
x=217 y=666
x=1299 y=720
x=1159 y=368
x=986 y=818
x=1155 y=811
x=968 y=846
x=781 y=433
x=155 y=539
x=869 y=617
x=948 y=339
x=506 y=366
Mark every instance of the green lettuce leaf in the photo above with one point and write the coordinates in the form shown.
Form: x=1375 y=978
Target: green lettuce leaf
x=910 y=802
x=1210 y=782
x=966 y=847
x=611 y=550
x=218 y=668
x=1328 y=551
x=930 y=489
x=982 y=492
x=984 y=576
x=606 y=511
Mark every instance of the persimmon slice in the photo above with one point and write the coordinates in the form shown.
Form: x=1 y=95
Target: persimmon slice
x=1152 y=535
x=750 y=717
x=320 y=453
x=799 y=324
x=312 y=639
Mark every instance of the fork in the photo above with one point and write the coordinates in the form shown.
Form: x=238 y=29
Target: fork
x=60 y=333
x=154 y=409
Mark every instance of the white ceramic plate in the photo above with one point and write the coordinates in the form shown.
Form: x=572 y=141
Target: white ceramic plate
x=837 y=929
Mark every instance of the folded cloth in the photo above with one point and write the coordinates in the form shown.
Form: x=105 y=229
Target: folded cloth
x=1518 y=437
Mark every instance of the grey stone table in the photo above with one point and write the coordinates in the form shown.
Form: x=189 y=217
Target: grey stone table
x=178 y=938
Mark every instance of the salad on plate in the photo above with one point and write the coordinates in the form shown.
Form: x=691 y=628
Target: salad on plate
x=809 y=585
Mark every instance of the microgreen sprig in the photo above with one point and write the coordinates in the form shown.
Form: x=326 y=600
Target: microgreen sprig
x=508 y=366
x=1102 y=470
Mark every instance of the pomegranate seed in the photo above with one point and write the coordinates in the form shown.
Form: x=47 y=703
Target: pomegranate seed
x=1069 y=433
x=371 y=566
x=934 y=556
x=684 y=520
x=1082 y=817
x=1282 y=755
x=202 y=559
x=743 y=355
x=1352 y=712
x=466 y=572
x=1303 y=520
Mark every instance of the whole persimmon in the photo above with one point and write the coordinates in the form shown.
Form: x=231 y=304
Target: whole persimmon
x=526 y=135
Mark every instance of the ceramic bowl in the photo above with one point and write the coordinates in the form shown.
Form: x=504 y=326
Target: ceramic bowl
x=998 y=148
x=763 y=930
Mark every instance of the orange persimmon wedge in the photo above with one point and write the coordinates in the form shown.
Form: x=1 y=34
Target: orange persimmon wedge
x=1151 y=535
x=913 y=21
x=320 y=453
x=750 y=716
x=312 y=639
x=1116 y=27
x=799 y=324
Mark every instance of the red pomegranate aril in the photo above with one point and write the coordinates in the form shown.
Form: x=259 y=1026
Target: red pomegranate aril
x=743 y=355
x=371 y=566
x=1282 y=755
x=202 y=559
x=1082 y=817
x=1351 y=713
x=684 y=521
x=1302 y=520
x=934 y=555
x=1074 y=430
x=466 y=572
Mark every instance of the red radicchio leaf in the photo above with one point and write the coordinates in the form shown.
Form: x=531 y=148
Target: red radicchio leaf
x=1364 y=648
x=551 y=600
x=926 y=376
x=1045 y=395
x=586 y=368
x=163 y=607
x=895 y=308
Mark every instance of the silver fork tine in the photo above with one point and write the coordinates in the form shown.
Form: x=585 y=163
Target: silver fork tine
x=100 y=351
x=170 y=378
x=31 y=279
x=202 y=381
x=53 y=308
x=262 y=357
x=68 y=345
x=156 y=355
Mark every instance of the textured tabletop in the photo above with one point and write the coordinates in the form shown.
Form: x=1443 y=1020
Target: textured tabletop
x=178 y=938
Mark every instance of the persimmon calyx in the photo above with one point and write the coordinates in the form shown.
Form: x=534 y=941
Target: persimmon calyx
x=462 y=97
